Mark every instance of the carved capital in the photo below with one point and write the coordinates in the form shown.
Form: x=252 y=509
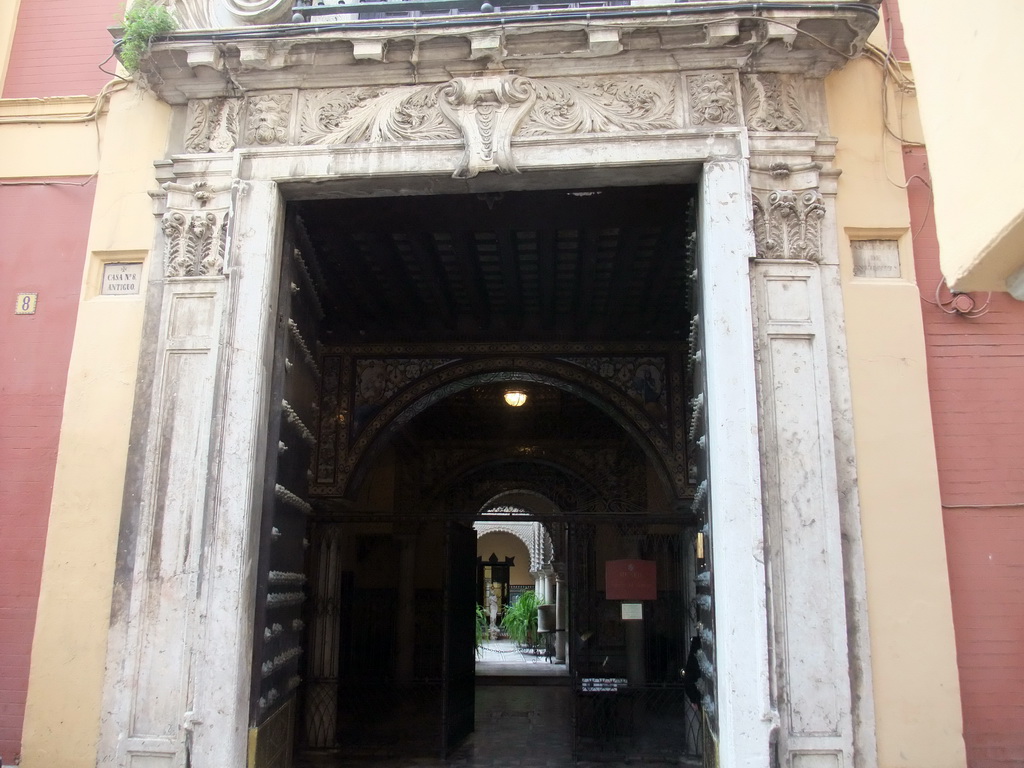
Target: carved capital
x=712 y=99
x=787 y=224
x=487 y=111
x=194 y=243
x=770 y=103
x=212 y=125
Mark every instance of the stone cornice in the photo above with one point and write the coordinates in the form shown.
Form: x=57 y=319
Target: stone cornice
x=788 y=38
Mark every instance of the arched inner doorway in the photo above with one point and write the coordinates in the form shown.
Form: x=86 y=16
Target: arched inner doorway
x=407 y=325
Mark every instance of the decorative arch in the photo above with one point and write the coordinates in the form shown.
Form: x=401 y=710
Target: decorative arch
x=447 y=379
x=528 y=532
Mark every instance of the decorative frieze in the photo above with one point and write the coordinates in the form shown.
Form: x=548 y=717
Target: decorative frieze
x=212 y=125
x=771 y=103
x=486 y=113
x=712 y=99
x=787 y=224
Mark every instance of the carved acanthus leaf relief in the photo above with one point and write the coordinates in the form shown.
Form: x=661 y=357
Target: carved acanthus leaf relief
x=712 y=99
x=486 y=113
x=268 y=119
x=583 y=106
x=770 y=104
x=373 y=115
x=787 y=225
x=194 y=243
x=212 y=125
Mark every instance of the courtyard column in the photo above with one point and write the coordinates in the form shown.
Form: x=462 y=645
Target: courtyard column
x=561 y=610
x=406 y=607
x=539 y=586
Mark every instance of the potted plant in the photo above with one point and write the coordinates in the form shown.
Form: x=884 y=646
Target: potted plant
x=520 y=620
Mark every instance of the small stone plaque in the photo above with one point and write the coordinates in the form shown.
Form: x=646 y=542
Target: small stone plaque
x=25 y=303
x=121 y=278
x=876 y=258
x=632 y=611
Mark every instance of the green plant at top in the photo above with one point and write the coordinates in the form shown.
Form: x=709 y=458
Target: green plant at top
x=142 y=22
x=520 y=619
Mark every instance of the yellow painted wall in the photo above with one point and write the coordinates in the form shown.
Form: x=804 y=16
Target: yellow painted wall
x=8 y=21
x=69 y=649
x=505 y=545
x=913 y=654
x=971 y=118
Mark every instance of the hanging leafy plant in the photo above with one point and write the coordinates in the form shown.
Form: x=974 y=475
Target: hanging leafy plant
x=143 y=21
x=520 y=620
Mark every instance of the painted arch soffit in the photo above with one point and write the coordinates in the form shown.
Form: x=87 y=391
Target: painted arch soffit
x=366 y=398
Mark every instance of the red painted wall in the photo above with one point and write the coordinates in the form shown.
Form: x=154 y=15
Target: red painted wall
x=976 y=379
x=58 y=47
x=44 y=245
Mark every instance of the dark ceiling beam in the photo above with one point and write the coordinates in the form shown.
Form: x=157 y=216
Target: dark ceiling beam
x=434 y=277
x=407 y=300
x=508 y=258
x=621 y=276
x=586 y=272
x=668 y=256
x=353 y=269
x=464 y=246
x=547 y=269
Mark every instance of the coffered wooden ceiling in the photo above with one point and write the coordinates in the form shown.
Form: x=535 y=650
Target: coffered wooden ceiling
x=587 y=265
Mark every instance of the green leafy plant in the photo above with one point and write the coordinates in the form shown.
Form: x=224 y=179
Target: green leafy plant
x=143 y=21
x=520 y=620
x=482 y=624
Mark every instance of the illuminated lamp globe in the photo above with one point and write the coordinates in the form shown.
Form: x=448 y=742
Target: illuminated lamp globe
x=515 y=397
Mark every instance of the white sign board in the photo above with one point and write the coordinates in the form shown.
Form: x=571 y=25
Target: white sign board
x=121 y=278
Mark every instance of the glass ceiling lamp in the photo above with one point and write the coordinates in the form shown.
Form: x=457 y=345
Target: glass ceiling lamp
x=515 y=397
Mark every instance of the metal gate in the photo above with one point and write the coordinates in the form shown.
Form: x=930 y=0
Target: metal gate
x=628 y=657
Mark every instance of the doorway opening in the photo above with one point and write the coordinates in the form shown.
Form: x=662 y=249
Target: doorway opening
x=517 y=361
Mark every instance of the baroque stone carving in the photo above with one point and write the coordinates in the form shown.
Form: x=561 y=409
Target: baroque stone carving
x=583 y=106
x=486 y=113
x=212 y=125
x=268 y=118
x=788 y=225
x=373 y=115
x=712 y=99
x=194 y=243
x=771 y=104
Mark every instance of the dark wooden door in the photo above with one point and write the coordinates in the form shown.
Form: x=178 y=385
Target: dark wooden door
x=459 y=636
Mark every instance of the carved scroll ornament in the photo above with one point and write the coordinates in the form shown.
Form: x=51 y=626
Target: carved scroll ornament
x=194 y=243
x=787 y=225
